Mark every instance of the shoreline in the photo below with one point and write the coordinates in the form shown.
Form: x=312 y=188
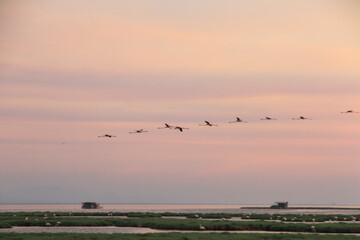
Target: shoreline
x=304 y=208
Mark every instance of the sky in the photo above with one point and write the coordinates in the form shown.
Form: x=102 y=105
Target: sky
x=73 y=70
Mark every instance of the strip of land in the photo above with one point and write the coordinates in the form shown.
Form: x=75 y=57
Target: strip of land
x=172 y=236
x=305 y=208
x=191 y=222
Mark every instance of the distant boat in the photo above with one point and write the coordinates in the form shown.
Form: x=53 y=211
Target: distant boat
x=280 y=205
x=90 y=205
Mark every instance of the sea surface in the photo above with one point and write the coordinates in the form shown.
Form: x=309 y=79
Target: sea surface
x=106 y=207
x=177 y=208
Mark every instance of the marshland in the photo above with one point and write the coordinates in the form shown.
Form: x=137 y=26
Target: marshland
x=168 y=225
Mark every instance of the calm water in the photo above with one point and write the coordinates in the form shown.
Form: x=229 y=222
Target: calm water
x=119 y=207
x=184 y=208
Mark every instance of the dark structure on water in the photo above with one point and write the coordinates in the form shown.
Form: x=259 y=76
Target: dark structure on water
x=90 y=205
x=280 y=205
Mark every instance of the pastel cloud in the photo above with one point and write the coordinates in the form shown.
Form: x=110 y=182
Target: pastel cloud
x=70 y=71
x=109 y=41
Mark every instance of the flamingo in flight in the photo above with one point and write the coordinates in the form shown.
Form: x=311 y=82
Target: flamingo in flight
x=207 y=124
x=238 y=120
x=107 y=135
x=180 y=128
x=301 y=118
x=138 y=131
x=268 y=118
x=166 y=126
x=350 y=111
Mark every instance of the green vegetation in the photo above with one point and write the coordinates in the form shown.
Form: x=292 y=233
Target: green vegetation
x=187 y=224
x=4 y=225
x=288 y=217
x=172 y=236
x=291 y=222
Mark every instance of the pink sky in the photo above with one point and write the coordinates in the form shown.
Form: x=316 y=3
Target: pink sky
x=70 y=71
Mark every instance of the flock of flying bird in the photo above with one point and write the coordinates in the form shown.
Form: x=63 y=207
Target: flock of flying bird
x=207 y=123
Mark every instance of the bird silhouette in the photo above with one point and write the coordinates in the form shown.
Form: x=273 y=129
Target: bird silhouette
x=107 y=135
x=207 y=124
x=180 y=128
x=350 y=111
x=301 y=118
x=166 y=126
x=268 y=118
x=138 y=131
x=238 y=120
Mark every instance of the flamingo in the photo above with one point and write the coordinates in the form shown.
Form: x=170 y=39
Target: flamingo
x=350 y=111
x=301 y=118
x=138 y=131
x=107 y=135
x=166 y=126
x=207 y=124
x=180 y=128
x=268 y=118
x=238 y=120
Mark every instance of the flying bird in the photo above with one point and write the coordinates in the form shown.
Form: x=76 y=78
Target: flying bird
x=166 y=126
x=268 y=118
x=238 y=120
x=107 y=135
x=207 y=124
x=138 y=131
x=350 y=111
x=301 y=118
x=180 y=128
